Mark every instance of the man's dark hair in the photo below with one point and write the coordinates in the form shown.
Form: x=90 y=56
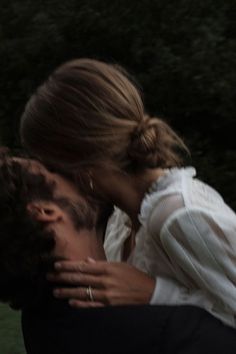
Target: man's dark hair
x=25 y=245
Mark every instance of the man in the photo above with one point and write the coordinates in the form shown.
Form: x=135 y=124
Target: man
x=43 y=217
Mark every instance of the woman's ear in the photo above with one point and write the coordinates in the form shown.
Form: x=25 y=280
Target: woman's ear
x=45 y=211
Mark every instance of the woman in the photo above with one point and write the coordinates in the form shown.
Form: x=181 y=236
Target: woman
x=89 y=116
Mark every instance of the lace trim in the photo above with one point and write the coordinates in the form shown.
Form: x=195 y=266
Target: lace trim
x=160 y=187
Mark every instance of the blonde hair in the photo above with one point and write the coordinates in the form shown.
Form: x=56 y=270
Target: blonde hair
x=88 y=113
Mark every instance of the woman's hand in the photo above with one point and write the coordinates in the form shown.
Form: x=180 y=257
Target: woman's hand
x=102 y=283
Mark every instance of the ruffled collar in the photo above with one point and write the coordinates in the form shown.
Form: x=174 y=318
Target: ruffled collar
x=119 y=219
x=159 y=186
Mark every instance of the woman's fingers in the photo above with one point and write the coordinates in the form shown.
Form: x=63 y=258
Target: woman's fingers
x=81 y=293
x=84 y=304
x=77 y=279
x=113 y=284
x=81 y=298
x=82 y=266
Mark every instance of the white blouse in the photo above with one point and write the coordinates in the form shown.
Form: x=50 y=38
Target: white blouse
x=187 y=240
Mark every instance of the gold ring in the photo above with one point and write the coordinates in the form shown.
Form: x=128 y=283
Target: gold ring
x=89 y=293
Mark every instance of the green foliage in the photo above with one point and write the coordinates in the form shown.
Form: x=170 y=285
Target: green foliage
x=182 y=52
x=11 y=341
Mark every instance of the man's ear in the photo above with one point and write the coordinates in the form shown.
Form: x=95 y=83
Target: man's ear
x=45 y=211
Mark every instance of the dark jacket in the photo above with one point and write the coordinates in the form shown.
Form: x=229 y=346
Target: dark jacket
x=55 y=328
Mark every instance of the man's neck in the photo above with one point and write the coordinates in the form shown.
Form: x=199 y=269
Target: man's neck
x=79 y=244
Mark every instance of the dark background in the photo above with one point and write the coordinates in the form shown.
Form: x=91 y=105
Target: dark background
x=183 y=54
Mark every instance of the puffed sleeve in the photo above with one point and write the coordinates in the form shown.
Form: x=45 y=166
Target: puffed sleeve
x=203 y=252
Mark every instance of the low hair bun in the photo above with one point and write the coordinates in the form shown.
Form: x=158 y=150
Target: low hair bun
x=154 y=144
x=143 y=142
